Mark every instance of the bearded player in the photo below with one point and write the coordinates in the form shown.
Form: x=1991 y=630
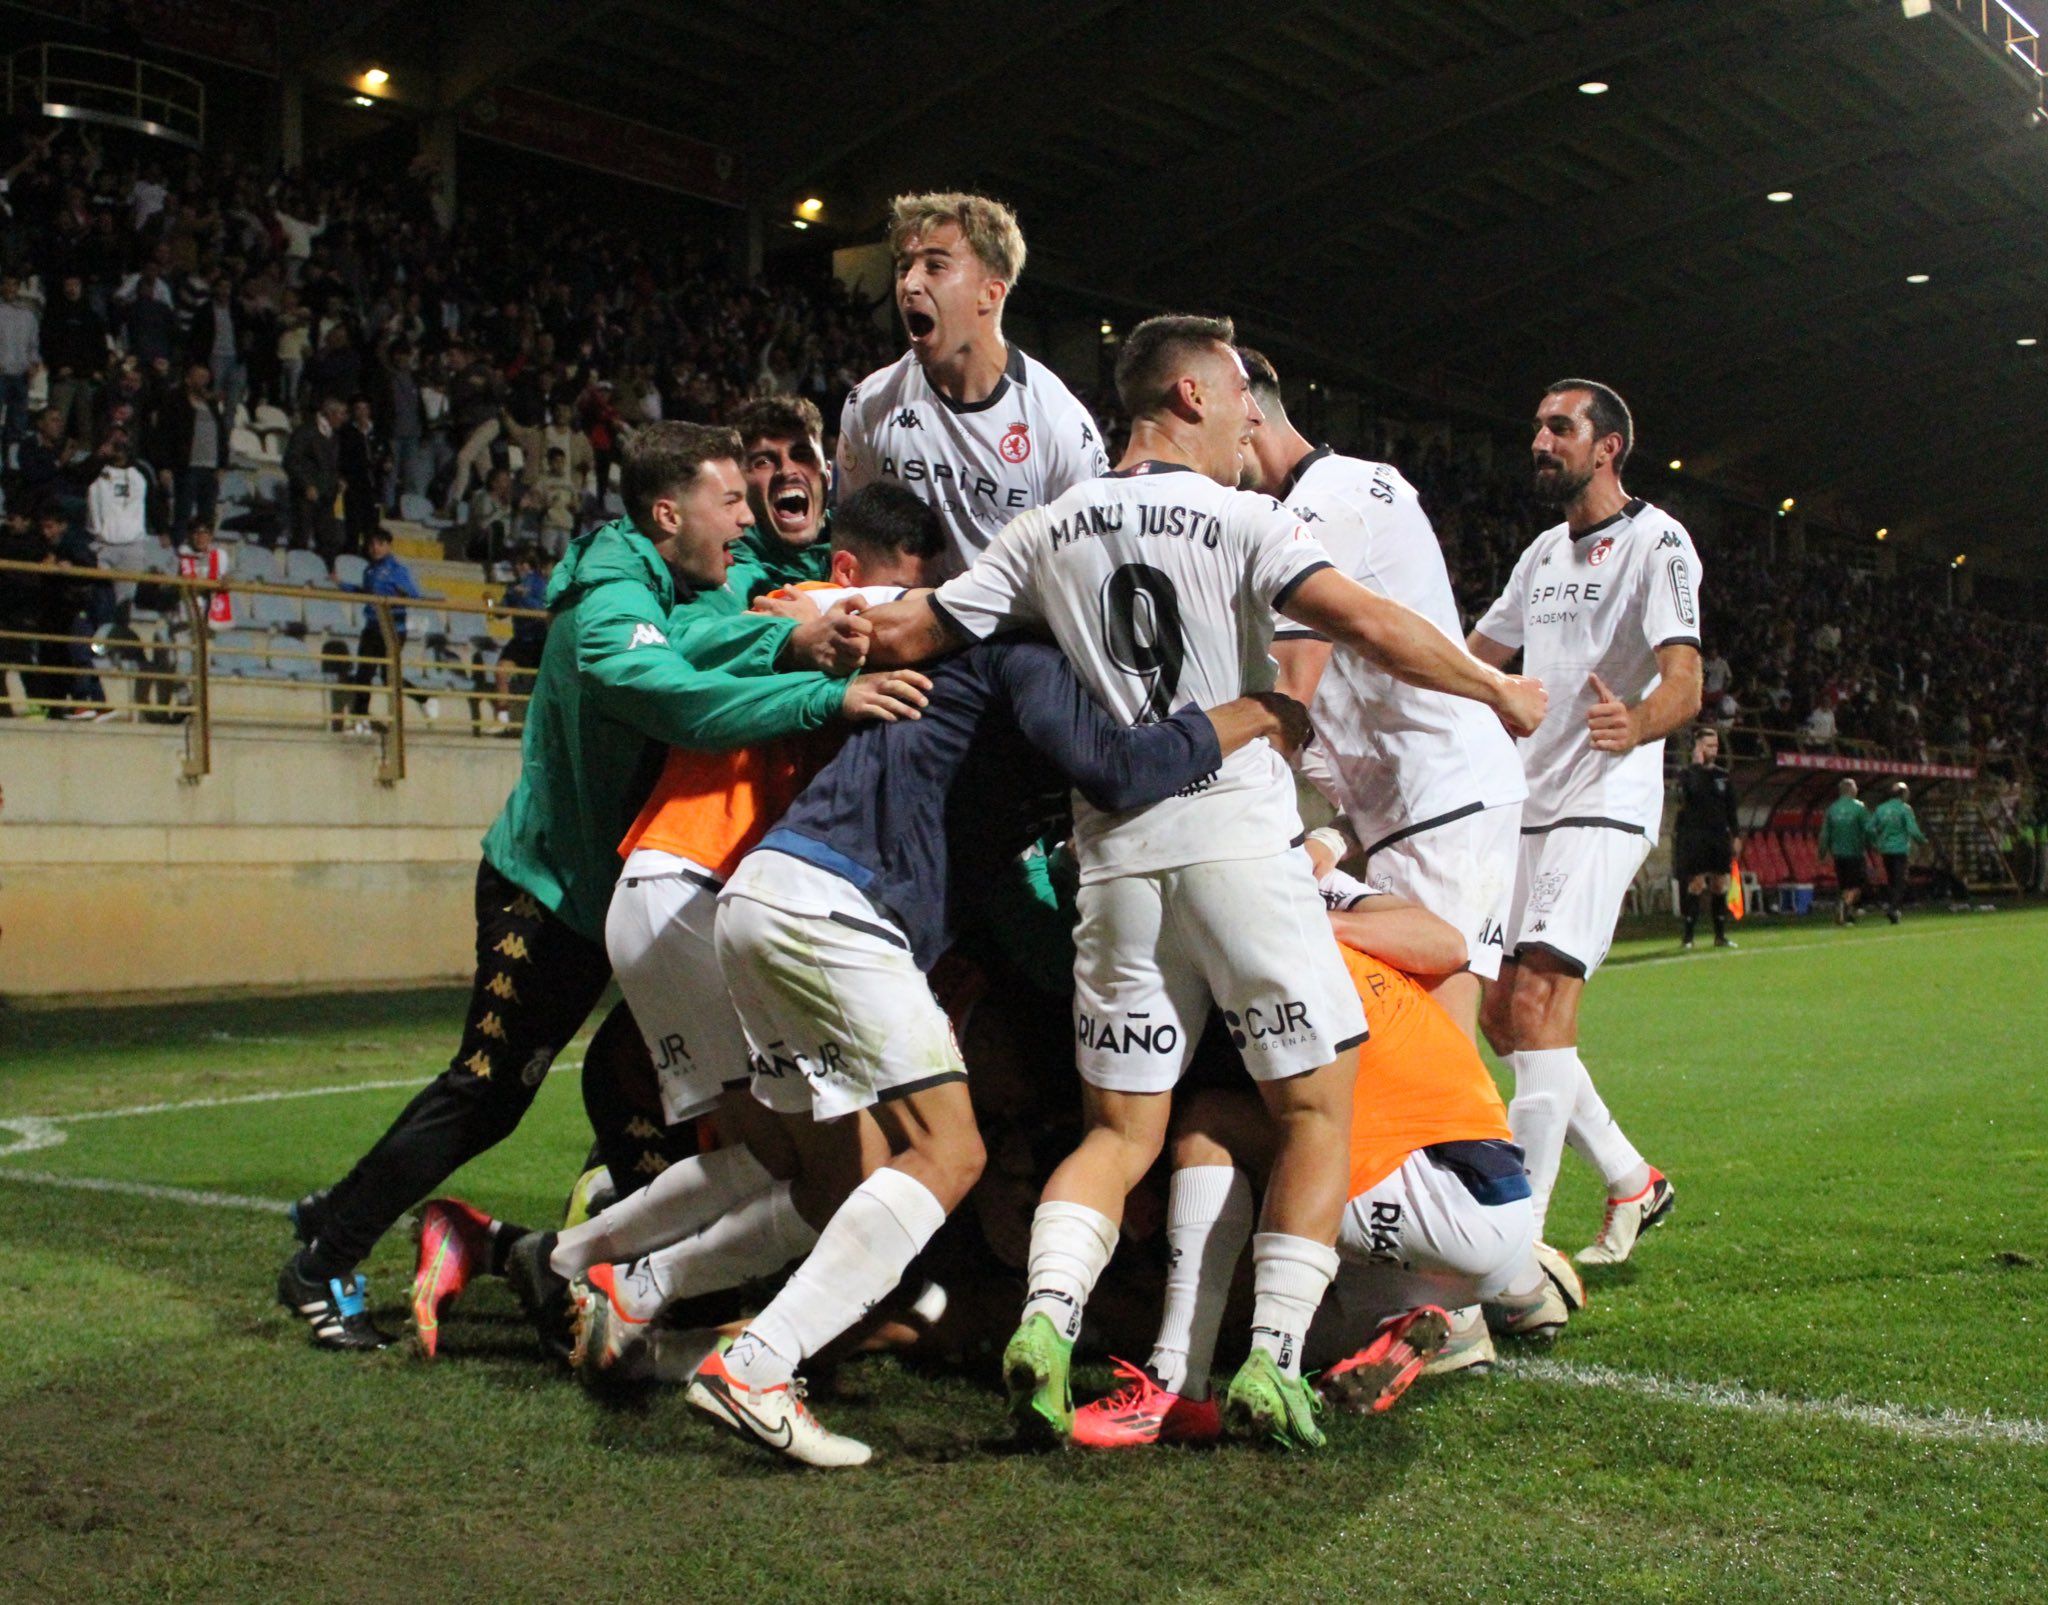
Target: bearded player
x=1605 y=607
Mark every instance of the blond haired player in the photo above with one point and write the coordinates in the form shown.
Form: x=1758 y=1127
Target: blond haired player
x=1438 y=1219
x=1605 y=607
x=969 y=422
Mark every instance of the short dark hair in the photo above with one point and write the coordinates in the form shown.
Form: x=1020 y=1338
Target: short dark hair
x=885 y=520
x=663 y=458
x=377 y=532
x=1607 y=413
x=1155 y=354
x=1265 y=378
x=778 y=418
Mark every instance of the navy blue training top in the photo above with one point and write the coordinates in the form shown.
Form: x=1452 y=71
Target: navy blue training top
x=921 y=814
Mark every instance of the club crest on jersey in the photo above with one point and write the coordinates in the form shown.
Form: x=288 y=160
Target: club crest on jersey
x=1016 y=443
x=1601 y=548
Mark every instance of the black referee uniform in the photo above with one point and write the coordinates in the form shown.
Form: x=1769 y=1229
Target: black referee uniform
x=1703 y=842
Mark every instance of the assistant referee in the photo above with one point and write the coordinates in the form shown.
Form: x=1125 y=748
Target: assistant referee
x=1705 y=839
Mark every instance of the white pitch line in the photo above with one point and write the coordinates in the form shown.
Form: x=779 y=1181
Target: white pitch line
x=146 y=1189
x=282 y=1095
x=1944 y=1426
x=1624 y=965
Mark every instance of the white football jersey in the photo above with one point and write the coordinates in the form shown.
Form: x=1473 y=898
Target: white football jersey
x=979 y=464
x=1159 y=585
x=1599 y=603
x=1396 y=759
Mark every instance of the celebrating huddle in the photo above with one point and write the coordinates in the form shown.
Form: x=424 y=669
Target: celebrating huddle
x=787 y=772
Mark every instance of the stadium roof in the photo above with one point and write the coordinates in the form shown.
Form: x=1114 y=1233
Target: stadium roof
x=1418 y=192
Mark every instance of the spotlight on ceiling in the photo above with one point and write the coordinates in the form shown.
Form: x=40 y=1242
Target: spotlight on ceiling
x=364 y=100
x=1916 y=8
x=810 y=209
x=1779 y=195
x=376 y=78
x=1916 y=278
x=1592 y=86
x=1786 y=505
x=1676 y=464
x=2026 y=340
x=1881 y=534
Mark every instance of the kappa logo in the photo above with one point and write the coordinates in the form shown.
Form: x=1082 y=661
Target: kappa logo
x=907 y=419
x=646 y=635
x=1670 y=539
x=1603 y=548
x=1016 y=443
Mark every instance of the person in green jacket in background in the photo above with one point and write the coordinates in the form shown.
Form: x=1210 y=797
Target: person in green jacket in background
x=1844 y=836
x=1894 y=828
x=626 y=673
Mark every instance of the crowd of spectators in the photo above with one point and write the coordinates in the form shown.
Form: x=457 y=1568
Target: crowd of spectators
x=164 y=303
x=485 y=375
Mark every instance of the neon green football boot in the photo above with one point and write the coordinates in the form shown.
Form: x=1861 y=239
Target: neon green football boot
x=1264 y=1402
x=1036 y=1368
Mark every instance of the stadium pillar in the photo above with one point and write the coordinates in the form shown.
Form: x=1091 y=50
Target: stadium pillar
x=291 y=121
x=1795 y=537
x=749 y=231
x=437 y=144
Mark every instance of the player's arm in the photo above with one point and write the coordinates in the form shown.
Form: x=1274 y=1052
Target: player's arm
x=1487 y=650
x=1301 y=659
x=1405 y=934
x=1618 y=728
x=760 y=643
x=1410 y=648
x=1117 y=766
x=631 y=671
x=910 y=630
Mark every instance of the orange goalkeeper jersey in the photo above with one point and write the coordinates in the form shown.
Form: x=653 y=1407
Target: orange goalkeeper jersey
x=1419 y=1081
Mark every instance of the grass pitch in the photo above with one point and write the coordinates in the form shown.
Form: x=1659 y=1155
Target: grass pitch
x=1825 y=1378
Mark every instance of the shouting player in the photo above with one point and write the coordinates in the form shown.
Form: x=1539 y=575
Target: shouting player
x=980 y=430
x=1604 y=606
x=1159 y=583
x=1428 y=786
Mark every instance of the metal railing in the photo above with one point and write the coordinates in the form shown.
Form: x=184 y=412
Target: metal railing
x=172 y=677
x=83 y=84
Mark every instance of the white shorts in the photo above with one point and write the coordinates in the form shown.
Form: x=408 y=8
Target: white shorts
x=1463 y=871
x=836 y=1012
x=1251 y=934
x=657 y=934
x=1417 y=1237
x=1568 y=891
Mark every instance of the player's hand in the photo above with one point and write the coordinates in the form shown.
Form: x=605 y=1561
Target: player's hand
x=835 y=644
x=1291 y=730
x=1608 y=720
x=1523 y=703
x=786 y=605
x=885 y=696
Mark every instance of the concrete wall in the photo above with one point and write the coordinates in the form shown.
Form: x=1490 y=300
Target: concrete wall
x=288 y=865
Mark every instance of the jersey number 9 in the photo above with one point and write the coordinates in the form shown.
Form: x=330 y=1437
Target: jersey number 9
x=1141 y=626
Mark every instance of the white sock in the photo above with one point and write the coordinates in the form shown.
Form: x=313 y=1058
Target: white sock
x=1208 y=1219
x=861 y=1255
x=678 y=1201
x=757 y=1239
x=1290 y=1275
x=1602 y=1144
x=1070 y=1244
x=1546 y=1086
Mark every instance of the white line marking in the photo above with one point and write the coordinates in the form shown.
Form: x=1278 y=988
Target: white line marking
x=1943 y=1426
x=1622 y=966
x=31 y=1133
x=147 y=1189
x=284 y=1095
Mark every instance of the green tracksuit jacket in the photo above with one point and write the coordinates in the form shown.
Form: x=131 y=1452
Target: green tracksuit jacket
x=626 y=674
x=763 y=563
x=1845 y=829
x=1894 y=827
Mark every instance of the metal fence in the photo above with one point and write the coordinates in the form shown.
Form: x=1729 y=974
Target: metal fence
x=101 y=86
x=310 y=658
